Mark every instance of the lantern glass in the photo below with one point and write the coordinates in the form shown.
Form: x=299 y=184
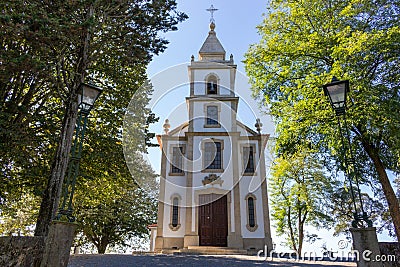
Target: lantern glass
x=87 y=96
x=337 y=92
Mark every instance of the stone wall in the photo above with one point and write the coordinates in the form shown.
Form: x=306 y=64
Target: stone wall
x=24 y=251
x=390 y=248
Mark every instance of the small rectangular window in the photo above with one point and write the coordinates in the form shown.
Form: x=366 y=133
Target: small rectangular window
x=213 y=159
x=248 y=159
x=212 y=115
x=177 y=160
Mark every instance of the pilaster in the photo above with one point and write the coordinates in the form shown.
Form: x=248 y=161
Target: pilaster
x=191 y=237
x=264 y=191
x=235 y=239
x=159 y=243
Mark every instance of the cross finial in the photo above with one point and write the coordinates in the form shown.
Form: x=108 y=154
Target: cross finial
x=212 y=9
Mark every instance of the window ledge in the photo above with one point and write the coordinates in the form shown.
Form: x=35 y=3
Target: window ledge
x=176 y=174
x=251 y=229
x=213 y=170
x=249 y=174
x=212 y=125
x=174 y=228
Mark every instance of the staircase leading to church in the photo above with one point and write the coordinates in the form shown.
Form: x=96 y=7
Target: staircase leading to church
x=204 y=250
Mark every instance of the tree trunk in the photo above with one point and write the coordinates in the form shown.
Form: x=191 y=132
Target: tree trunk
x=387 y=188
x=102 y=245
x=292 y=238
x=101 y=249
x=301 y=234
x=302 y=221
x=51 y=196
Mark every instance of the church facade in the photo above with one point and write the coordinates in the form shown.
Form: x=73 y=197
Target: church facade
x=213 y=189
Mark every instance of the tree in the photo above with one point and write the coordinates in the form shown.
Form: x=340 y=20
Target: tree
x=115 y=210
x=300 y=192
x=341 y=206
x=29 y=117
x=19 y=215
x=304 y=43
x=112 y=203
x=103 y=41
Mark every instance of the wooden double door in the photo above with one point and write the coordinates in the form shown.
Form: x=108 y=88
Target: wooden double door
x=213 y=220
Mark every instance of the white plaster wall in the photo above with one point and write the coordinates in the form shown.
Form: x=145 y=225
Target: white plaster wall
x=173 y=185
x=183 y=131
x=244 y=190
x=251 y=184
x=200 y=114
x=153 y=235
x=170 y=190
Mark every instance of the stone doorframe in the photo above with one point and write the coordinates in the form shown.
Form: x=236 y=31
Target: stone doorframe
x=195 y=221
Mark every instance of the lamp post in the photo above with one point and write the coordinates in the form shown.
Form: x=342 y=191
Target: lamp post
x=337 y=93
x=86 y=98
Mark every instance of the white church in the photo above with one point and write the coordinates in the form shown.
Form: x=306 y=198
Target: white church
x=213 y=189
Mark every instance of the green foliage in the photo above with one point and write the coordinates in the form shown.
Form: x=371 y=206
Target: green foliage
x=18 y=214
x=300 y=194
x=116 y=209
x=111 y=203
x=47 y=50
x=304 y=43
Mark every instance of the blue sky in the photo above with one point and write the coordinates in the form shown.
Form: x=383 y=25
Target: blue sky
x=236 y=23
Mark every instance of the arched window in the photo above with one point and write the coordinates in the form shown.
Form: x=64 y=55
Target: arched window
x=212 y=85
x=251 y=213
x=175 y=212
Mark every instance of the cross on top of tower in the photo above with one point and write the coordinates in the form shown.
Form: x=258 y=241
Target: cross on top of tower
x=212 y=9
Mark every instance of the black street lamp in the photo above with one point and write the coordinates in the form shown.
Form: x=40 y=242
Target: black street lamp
x=337 y=93
x=86 y=98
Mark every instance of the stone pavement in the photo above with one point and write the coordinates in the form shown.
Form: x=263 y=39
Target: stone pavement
x=120 y=260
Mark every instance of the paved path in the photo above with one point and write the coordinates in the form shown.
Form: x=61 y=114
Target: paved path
x=118 y=260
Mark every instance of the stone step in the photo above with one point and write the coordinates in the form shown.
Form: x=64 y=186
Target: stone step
x=200 y=250
x=209 y=247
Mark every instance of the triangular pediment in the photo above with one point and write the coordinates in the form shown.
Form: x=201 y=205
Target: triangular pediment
x=180 y=129
x=247 y=129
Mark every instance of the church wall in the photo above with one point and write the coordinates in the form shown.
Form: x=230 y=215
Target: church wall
x=251 y=184
x=244 y=190
x=174 y=188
